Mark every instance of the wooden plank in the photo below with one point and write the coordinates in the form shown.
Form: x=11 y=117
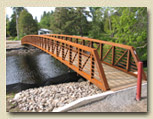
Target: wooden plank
x=107 y=53
x=121 y=57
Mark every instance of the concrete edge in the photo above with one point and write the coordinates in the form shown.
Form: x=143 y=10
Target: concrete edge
x=89 y=99
x=129 y=88
x=82 y=101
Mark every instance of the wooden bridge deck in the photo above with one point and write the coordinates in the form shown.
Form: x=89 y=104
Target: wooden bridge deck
x=117 y=79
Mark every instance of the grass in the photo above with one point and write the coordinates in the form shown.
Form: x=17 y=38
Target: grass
x=11 y=107
x=145 y=69
x=14 y=38
x=10 y=95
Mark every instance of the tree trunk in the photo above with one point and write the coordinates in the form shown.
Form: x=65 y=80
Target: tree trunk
x=81 y=31
x=17 y=29
x=110 y=27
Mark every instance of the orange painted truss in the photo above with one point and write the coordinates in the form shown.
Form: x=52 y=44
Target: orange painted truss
x=119 y=56
x=85 y=55
x=82 y=59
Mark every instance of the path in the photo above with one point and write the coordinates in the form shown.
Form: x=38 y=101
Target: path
x=122 y=101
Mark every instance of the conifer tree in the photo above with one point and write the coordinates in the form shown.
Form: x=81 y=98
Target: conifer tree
x=27 y=25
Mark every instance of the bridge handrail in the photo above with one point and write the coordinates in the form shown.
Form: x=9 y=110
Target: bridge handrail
x=63 y=41
x=41 y=42
x=93 y=40
x=130 y=51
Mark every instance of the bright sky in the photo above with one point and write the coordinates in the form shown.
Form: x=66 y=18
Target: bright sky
x=35 y=11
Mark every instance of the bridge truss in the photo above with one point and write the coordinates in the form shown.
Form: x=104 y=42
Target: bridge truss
x=88 y=57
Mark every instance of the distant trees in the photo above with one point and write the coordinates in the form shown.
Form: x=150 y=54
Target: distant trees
x=130 y=27
x=97 y=25
x=11 y=26
x=125 y=25
x=80 y=21
x=70 y=21
x=21 y=23
x=62 y=21
x=7 y=26
x=45 y=20
x=17 y=11
x=27 y=25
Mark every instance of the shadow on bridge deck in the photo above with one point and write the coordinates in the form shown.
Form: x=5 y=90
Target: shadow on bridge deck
x=118 y=79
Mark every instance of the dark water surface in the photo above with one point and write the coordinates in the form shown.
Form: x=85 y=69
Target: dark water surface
x=30 y=70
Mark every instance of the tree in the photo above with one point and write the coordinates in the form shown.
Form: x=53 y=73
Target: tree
x=36 y=20
x=97 y=27
x=130 y=26
x=60 y=21
x=107 y=20
x=11 y=26
x=125 y=25
x=27 y=25
x=45 y=20
x=81 y=22
x=17 y=11
x=7 y=26
x=69 y=20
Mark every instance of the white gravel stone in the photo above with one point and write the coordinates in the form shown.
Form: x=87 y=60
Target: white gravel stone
x=45 y=99
x=17 y=96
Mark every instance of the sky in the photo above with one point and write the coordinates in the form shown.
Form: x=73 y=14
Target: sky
x=36 y=11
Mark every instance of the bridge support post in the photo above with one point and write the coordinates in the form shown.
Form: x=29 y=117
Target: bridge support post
x=139 y=81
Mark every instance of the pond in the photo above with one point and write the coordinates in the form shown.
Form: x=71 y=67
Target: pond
x=38 y=69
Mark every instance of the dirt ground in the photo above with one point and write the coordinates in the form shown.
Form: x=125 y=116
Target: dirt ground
x=9 y=106
x=122 y=101
x=13 y=44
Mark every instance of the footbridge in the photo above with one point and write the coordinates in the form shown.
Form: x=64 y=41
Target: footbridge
x=107 y=65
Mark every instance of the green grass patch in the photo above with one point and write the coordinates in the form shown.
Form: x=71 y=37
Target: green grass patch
x=145 y=69
x=10 y=95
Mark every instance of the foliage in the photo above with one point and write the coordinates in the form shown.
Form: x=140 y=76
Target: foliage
x=130 y=28
x=62 y=21
x=11 y=26
x=80 y=20
x=45 y=20
x=16 y=11
x=27 y=25
x=121 y=25
x=7 y=27
x=97 y=27
x=125 y=25
x=70 y=21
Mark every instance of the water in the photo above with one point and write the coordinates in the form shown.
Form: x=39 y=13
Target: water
x=32 y=68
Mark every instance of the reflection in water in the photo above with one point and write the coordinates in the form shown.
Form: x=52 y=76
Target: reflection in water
x=32 y=69
x=50 y=67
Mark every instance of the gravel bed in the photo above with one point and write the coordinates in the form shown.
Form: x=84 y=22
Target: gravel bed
x=45 y=99
x=22 y=51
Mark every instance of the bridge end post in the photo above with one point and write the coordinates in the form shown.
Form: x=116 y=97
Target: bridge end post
x=102 y=75
x=139 y=81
